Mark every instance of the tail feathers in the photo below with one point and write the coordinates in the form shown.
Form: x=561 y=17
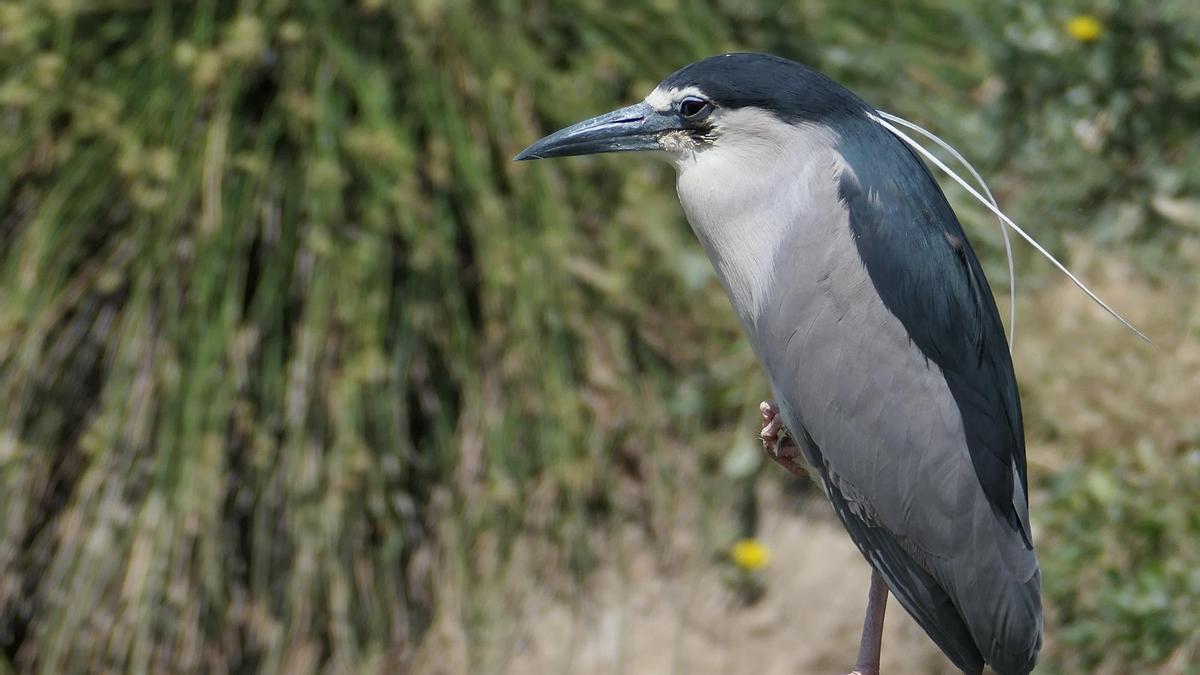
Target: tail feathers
x=1011 y=632
x=997 y=587
x=1014 y=650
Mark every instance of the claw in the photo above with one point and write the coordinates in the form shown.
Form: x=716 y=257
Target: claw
x=774 y=435
x=778 y=442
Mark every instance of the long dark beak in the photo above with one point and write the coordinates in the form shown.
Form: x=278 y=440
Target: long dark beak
x=636 y=127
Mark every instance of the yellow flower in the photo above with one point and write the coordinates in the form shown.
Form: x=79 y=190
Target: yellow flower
x=750 y=554
x=1085 y=28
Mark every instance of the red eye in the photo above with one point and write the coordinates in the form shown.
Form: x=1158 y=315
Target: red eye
x=692 y=108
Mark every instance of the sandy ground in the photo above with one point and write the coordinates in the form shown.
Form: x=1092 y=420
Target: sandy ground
x=637 y=620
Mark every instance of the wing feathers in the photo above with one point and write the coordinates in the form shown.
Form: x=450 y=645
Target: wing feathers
x=901 y=385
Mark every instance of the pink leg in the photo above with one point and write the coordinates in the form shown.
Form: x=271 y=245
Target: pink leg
x=775 y=439
x=872 y=632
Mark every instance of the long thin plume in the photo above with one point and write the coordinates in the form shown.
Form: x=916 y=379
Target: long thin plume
x=1009 y=222
x=1008 y=253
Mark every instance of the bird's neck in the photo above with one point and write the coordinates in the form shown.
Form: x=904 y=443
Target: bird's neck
x=745 y=200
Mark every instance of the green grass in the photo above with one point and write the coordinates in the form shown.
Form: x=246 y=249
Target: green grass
x=289 y=347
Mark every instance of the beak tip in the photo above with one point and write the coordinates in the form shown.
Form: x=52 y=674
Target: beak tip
x=528 y=153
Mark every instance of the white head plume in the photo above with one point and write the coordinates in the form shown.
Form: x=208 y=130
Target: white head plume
x=885 y=119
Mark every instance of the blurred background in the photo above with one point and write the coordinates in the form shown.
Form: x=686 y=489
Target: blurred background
x=300 y=373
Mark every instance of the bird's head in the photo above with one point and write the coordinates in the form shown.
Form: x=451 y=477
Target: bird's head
x=727 y=100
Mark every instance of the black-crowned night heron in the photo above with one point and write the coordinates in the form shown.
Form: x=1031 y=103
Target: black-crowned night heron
x=876 y=328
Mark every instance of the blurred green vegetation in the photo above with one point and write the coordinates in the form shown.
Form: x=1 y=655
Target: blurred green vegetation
x=289 y=349
x=1123 y=569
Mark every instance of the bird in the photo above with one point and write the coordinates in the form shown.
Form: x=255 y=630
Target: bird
x=875 y=326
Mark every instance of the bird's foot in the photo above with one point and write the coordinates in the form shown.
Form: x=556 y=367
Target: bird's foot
x=774 y=435
x=779 y=443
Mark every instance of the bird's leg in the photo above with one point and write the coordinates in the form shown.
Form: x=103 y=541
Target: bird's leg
x=781 y=448
x=778 y=443
x=872 y=632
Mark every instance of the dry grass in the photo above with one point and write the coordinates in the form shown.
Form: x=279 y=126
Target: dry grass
x=1088 y=385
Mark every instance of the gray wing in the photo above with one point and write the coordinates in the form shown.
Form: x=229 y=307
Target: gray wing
x=894 y=375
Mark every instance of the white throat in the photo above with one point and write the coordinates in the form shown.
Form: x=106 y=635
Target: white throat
x=744 y=194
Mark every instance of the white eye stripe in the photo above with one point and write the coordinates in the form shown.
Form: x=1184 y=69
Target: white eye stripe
x=664 y=100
